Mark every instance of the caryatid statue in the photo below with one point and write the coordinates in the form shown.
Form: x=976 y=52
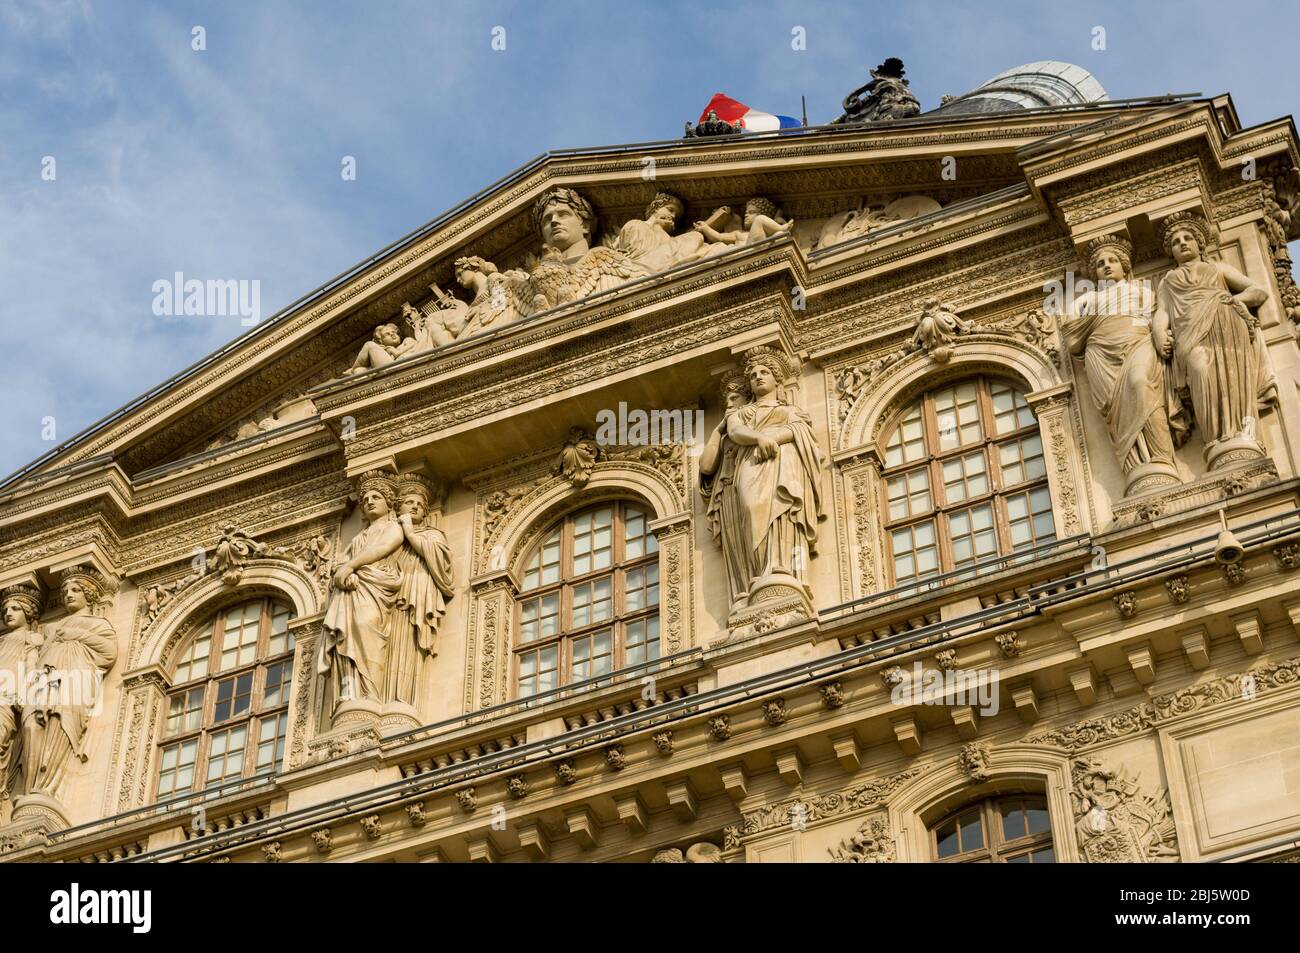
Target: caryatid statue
x=1111 y=329
x=78 y=650
x=1217 y=356
x=768 y=514
x=424 y=561
x=717 y=484
x=570 y=267
x=19 y=649
x=363 y=595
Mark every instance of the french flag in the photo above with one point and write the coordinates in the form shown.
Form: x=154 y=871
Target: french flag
x=751 y=120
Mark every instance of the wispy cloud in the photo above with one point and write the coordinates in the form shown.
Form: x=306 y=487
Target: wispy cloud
x=225 y=163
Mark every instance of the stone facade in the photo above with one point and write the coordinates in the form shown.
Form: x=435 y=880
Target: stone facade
x=419 y=428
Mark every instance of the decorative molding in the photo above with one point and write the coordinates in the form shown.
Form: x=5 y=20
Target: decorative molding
x=1163 y=708
x=859 y=797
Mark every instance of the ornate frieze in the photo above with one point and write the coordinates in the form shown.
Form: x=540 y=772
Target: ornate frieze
x=1163 y=708
x=859 y=797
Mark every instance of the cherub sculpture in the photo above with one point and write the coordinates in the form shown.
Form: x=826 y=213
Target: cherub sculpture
x=762 y=220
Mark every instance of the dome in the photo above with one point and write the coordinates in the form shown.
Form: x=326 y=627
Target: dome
x=1032 y=86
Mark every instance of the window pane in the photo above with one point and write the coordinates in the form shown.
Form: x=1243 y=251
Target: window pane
x=593 y=655
x=185 y=712
x=593 y=602
x=270 y=741
x=908 y=441
x=638 y=540
x=1029 y=516
x=973 y=535
x=239 y=642
x=277 y=684
x=965 y=477
x=957 y=416
x=643 y=640
x=225 y=696
x=1013 y=820
x=1044 y=855
x=592 y=536
x=915 y=551
x=177 y=768
x=243 y=693
x=1010 y=411
x=226 y=754
x=946 y=838
x=1022 y=460
x=972 y=831
x=194 y=663
x=281 y=639
x=543 y=568
x=1038 y=821
x=537 y=670
x=909 y=494
x=539 y=618
x=642 y=587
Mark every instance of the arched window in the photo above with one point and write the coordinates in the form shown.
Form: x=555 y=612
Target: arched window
x=964 y=480
x=590 y=599
x=1006 y=830
x=227 y=710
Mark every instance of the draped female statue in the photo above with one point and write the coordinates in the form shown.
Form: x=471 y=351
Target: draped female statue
x=19 y=648
x=769 y=504
x=77 y=652
x=363 y=594
x=717 y=483
x=424 y=561
x=1218 y=358
x=1110 y=328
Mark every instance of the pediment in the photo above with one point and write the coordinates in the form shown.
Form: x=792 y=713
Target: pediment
x=849 y=192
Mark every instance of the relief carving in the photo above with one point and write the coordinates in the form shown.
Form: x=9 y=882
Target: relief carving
x=1117 y=822
x=870 y=844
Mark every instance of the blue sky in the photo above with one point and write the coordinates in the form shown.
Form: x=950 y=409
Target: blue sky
x=225 y=163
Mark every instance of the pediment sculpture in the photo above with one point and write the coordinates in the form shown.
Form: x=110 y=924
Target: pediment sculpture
x=569 y=267
x=868 y=218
